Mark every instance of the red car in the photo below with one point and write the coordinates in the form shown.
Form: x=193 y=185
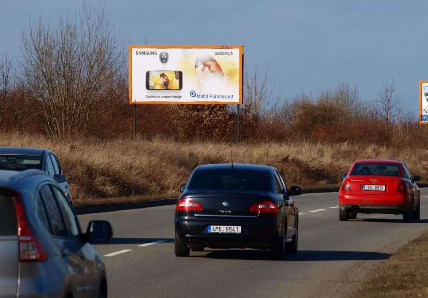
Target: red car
x=379 y=186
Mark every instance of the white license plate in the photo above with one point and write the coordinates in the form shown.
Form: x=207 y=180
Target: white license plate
x=374 y=187
x=224 y=229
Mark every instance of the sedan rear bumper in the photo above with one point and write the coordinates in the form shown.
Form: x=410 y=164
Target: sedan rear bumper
x=255 y=232
x=384 y=209
x=397 y=201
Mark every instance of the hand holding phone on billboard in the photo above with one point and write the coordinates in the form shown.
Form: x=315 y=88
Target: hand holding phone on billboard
x=164 y=80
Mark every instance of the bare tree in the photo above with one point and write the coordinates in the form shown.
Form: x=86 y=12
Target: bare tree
x=68 y=67
x=387 y=105
x=5 y=82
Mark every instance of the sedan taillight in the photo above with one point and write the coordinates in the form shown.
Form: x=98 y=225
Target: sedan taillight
x=346 y=187
x=402 y=188
x=264 y=207
x=186 y=204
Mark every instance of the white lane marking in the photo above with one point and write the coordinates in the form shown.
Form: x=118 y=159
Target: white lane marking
x=426 y=196
x=335 y=207
x=151 y=243
x=117 y=253
x=300 y=213
x=318 y=210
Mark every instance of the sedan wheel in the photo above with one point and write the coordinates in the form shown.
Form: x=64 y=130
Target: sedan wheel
x=417 y=212
x=278 y=249
x=343 y=215
x=292 y=246
x=408 y=216
x=180 y=248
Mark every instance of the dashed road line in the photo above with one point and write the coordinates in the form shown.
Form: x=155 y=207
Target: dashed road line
x=318 y=210
x=335 y=207
x=117 y=253
x=151 y=243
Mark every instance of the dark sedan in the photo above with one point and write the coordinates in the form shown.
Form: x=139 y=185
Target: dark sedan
x=236 y=206
x=24 y=158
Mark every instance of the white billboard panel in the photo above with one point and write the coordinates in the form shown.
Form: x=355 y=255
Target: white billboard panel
x=185 y=74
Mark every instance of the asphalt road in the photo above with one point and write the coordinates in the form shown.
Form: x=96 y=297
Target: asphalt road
x=333 y=256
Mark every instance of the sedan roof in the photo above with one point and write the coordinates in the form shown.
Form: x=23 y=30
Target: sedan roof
x=21 y=151
x=378 y=161
x=236 y=166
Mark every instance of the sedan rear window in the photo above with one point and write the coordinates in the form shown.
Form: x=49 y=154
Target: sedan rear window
x=230 y=180
x=377 y=169
x=20 y=162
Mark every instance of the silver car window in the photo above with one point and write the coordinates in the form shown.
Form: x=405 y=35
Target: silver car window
x=67 y=213
x=41 y=213
x=52 y=210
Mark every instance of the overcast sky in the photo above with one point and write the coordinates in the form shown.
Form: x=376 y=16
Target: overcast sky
x=309 y=45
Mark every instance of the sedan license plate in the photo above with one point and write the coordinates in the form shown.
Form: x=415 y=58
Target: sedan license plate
x=224 y=229
x=374 y=187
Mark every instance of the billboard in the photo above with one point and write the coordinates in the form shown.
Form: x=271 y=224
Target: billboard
x=423 y=102
x=185 y=74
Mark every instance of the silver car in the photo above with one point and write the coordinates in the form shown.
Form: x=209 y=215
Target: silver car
x=43 y=252
x=24 y=158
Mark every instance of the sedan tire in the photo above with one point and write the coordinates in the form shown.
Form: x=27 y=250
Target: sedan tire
x=417 y=212
x=291 y=247
x=408 y=216
x=343 y=215
x=180 y=248
x=279 y=248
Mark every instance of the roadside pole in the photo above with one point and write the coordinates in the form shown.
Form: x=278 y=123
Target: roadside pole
x=237 y=124
x=135 y=122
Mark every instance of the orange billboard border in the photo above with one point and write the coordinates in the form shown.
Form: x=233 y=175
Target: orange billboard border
x=420 y=103
x=241 y=70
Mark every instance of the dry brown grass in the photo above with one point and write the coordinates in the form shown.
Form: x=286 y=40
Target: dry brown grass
x=141 y=169
x=404 y=275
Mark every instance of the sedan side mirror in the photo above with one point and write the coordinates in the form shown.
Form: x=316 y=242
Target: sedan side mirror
x=59 y=178
x=99 y=231
x=344 y=176
x=416 y=178
x=294 y=191
x=183 y=187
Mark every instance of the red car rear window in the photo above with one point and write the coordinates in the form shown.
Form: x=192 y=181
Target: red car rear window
x=377 y=169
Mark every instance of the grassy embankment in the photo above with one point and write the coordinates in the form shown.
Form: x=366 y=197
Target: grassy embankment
x=124 y=170
x=405 y=274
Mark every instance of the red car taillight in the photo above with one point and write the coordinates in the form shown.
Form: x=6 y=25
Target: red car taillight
x=30 y=250
x=264 y=207
x=402 y=188
x=186 y=204
x=346 y=187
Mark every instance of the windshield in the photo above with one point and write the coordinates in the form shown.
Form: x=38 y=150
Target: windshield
x=376 y=169
x=230 y=180
x=20 y=162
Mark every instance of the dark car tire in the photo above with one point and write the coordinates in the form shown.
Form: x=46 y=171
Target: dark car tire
x=343 y=215
x=291 y=247
x=102 y=292
x=417 y=212
x=278 y=248
x=408 y=216
x=180 y=248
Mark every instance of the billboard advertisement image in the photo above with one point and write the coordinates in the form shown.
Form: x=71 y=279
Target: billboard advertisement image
x=185 y=74
x=423 y=102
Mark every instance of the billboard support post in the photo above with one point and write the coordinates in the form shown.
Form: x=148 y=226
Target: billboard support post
x=135 y=122
x=237 y=124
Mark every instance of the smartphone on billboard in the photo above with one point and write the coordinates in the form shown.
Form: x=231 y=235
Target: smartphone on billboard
x=164 y=80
